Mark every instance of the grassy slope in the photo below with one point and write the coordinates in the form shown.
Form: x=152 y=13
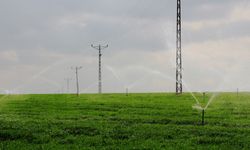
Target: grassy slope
x=112 y=121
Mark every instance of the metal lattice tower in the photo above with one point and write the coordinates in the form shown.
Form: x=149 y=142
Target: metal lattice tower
x=178 y=51
x=99 y=48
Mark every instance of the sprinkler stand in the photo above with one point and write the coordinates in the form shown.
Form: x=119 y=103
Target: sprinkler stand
x=203 y=113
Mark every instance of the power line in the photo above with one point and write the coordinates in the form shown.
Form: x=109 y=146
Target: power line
x=99 y=48
x=77 y=80
x=178 y=51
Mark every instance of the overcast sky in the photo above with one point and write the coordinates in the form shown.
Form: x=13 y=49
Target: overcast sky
x=41 y=39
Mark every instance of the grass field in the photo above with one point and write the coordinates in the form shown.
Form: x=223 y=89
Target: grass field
x=117 y=121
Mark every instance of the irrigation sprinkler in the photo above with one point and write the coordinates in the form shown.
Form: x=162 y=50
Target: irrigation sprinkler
x=202 y=119
x=200 y=108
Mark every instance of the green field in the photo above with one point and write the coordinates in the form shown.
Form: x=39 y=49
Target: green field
x=117 y=121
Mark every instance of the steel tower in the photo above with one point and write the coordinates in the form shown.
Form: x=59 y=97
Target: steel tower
x=178 y=51
x=99 y=48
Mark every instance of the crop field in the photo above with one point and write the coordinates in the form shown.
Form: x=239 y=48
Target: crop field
x=117 y=121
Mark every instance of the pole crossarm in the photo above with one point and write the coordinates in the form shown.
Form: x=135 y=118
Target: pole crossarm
x=99 y=46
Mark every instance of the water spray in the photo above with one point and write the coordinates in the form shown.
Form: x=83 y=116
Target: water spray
x=126 y=91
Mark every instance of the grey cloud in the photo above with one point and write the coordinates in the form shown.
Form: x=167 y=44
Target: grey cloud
x=139 y=32
x=225 y=31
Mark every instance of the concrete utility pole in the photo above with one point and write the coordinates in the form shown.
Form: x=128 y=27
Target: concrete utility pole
x=178 y=51
x=77 y=81
x=99 y=48
x=68 y=81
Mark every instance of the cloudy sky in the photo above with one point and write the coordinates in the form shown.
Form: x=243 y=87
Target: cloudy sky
x=41 y=39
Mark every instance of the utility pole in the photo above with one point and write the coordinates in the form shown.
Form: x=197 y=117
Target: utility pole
x=77 y=81
x=178 y=51
x=99 y=48
x=68 y=81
